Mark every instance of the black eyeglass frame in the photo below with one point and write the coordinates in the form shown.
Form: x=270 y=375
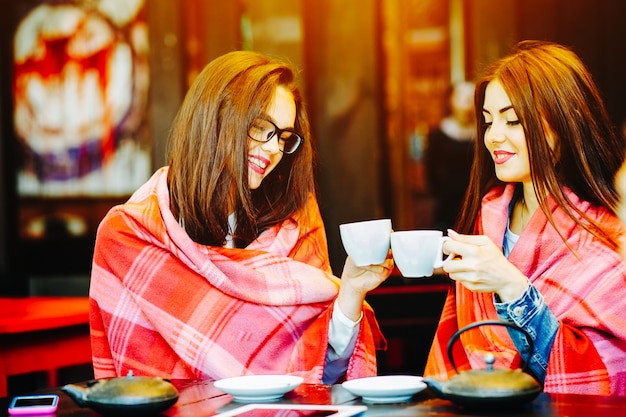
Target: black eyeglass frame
x=278 y=132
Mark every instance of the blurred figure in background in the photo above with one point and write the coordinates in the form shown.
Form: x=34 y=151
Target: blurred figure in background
x=538 y=235
x=449 y=154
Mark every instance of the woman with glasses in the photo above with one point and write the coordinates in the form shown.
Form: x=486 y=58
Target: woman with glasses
x=218 y=266
x=537 y=241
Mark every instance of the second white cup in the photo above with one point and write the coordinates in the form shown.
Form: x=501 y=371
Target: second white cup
x=418 y=252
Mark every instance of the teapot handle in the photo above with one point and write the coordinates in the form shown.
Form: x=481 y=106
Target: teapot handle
x=456 y=335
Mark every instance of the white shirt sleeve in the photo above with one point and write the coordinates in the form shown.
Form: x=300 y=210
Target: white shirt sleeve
x=342 y=335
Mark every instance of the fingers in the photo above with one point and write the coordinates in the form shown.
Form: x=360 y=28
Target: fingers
x=453 y=234
x=380 y=269
x=388 y=264
x=384 y=269
x=472 y=239
x=465 y=245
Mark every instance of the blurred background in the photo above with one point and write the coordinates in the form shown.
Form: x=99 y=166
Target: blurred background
x=89 y=88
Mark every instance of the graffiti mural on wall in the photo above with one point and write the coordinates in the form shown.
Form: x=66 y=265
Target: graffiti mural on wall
x=80 y=88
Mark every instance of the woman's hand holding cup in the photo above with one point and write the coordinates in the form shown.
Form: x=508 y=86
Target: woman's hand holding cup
x=369 y=262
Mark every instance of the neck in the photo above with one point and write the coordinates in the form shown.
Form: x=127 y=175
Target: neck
x=529 y=198
x=522 y=212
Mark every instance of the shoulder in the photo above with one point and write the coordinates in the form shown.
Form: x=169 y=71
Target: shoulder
x=146 y=211
x=309 y=212
x=603 y=216
x=499 y=193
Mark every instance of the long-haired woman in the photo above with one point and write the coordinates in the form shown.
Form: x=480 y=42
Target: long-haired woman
x=537 y=241
x=218 y=266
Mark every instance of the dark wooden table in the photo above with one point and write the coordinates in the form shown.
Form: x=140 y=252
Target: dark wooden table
x=201 y=398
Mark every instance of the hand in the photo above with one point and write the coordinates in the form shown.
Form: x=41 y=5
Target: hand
x=357 y=281
x=479 y=265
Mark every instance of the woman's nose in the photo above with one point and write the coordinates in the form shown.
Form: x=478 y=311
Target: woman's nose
x=494 y=135
x=272 y=145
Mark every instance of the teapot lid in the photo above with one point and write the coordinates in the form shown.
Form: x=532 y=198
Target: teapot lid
x=492 y=382
x=132 y=390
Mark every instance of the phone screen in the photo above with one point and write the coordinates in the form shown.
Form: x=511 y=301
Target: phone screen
x=32 y=401
x=34 y=404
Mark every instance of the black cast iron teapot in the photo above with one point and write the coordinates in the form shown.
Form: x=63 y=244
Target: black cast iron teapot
x=130 y=395
x=488 y=388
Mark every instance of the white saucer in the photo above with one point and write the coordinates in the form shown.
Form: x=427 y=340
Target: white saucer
x=258 y=388
x=386 y=389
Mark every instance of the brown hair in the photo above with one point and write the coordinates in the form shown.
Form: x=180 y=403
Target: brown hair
x=549 y=85
x=208 y=151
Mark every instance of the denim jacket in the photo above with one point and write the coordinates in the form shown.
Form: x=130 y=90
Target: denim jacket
x=531 y=313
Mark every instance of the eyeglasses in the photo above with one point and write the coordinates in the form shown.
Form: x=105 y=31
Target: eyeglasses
x=263 y=130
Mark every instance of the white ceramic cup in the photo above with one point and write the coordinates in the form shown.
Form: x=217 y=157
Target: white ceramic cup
x=417 y=253
x=366 y=242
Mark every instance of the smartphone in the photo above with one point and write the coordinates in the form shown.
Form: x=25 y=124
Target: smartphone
x=34 y=404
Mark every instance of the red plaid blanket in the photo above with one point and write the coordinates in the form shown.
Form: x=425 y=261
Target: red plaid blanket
x=585 y=289
x=164 y=305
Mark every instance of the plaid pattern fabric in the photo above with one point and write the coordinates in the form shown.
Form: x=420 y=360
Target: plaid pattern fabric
x=585 y=289
x=166 y=306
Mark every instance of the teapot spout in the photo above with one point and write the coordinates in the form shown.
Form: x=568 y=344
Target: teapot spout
x=436 y=386
x=77 y=393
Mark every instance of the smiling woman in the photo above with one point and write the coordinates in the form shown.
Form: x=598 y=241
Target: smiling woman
x=538 y=235
x=218 y=266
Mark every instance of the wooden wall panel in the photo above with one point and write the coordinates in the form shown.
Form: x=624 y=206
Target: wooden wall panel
x=343 y=71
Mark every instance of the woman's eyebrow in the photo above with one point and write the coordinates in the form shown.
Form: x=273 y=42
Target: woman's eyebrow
x=502 y=110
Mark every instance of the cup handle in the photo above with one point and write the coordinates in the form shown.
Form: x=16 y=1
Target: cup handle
x=439 y=262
